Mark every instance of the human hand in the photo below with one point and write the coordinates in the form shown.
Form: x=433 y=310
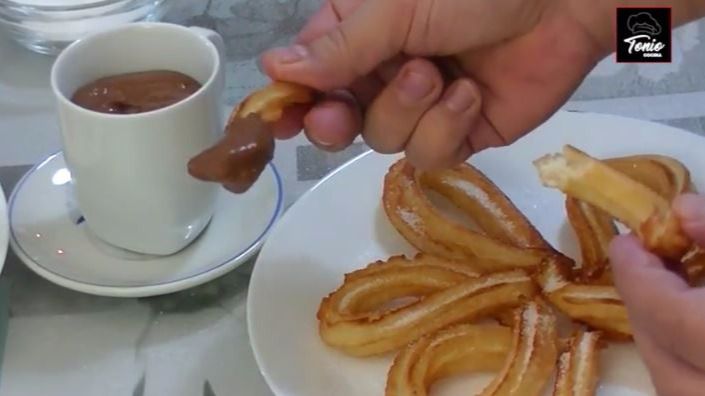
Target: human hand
x=667 y=316
x=437 y=79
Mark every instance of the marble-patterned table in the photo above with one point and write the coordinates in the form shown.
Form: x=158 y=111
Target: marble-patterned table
x=195 y=342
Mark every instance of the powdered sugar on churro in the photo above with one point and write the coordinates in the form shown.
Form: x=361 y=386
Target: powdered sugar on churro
x=456 y=293
x=478 y=194
x=576 y=366
x=552 y=280
x=563 y=371
x=411 y=219
x=583 y=356
x=529 y=316
x=530 y=325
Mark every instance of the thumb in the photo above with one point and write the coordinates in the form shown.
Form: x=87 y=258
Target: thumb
x=642 y=280
x=374 y=32
x=690 y=208
x=659 y=303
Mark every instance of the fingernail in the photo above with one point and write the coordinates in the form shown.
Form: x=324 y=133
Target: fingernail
x=414 y=86
x=323 y=143
x=292 y=54
x=459 y=98
x=690 y=207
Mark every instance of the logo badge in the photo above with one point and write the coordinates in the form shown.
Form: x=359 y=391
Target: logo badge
x=644 y=35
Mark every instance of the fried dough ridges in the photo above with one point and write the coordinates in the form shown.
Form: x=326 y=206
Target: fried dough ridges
x=524 y=356
x=356 y=320
x=598 y=306
x=461 y=349
x=578 y=366
x=270 y=102
x=640 y=208
x=506 y=239
x=532 y=359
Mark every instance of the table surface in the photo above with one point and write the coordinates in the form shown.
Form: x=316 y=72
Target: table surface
x=60 y=342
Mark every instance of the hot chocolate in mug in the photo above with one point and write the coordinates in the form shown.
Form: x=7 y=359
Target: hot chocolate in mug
x=129 y=164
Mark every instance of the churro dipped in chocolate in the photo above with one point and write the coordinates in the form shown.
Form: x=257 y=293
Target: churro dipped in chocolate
x=237 y=160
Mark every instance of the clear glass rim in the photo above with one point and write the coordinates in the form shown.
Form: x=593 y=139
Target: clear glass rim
x=78 y=7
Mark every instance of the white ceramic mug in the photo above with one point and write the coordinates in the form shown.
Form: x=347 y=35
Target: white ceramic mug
x=130 y=171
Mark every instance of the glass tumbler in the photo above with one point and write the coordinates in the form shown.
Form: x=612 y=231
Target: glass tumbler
x=47 y=26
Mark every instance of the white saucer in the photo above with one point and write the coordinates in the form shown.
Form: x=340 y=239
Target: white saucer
x=4 y=229
x=48 y=233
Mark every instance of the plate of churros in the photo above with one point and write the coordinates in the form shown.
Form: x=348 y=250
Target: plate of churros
x=488 y=278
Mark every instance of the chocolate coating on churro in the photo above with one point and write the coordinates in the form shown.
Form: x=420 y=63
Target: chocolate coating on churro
x=239 y=157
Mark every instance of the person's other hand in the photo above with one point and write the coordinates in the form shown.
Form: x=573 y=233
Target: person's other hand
x=436 y=79
x=667 y=316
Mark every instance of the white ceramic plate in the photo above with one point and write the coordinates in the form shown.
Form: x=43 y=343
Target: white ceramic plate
x=340 y=226
x=48 y=234
x=4 y=231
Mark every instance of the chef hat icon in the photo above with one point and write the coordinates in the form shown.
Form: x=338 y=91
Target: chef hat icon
x=643 y=23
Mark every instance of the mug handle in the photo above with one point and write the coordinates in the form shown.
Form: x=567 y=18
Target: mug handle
x=214 y=38
x=219 y=44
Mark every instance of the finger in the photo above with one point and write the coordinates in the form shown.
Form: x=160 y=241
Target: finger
x=669 y=374
x=690 y=208
x=393 y=115
x=641 y=277
x=659 y=299
x=291 y=122
x=440 y=139
x=373 y=33
x=366 y=90
x=333 y=124
x=682 y=331
x=388 y=70
x=326 y=18
x=484 y=135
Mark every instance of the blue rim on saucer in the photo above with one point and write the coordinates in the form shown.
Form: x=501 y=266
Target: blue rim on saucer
x=4 y=229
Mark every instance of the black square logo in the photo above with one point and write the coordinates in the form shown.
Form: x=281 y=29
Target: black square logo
x=644 y=35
